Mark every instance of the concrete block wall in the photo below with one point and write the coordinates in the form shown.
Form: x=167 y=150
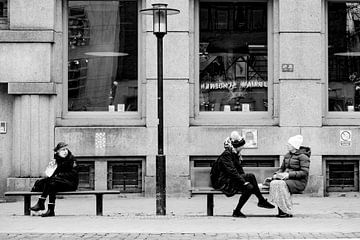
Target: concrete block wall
x=26 y=69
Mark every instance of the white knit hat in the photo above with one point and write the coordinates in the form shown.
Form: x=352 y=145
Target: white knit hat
x=296 y=141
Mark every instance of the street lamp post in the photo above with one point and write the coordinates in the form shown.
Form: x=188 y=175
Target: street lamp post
x=159 y=11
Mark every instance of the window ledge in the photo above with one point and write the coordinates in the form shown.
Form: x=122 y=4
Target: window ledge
x=104 y=119
x=234 y=118
x=342 y=118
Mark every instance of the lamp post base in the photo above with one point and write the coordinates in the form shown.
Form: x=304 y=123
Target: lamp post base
x=160 y=185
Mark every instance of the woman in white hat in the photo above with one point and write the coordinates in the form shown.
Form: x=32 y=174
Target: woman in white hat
x=291 y=177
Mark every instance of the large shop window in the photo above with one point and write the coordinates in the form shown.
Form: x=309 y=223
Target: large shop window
x=344 y=56
x=103 y=56
x=233 y=56
x=3 y=14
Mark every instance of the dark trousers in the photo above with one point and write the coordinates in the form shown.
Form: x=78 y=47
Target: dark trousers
x=251 y=188
x=54 y=185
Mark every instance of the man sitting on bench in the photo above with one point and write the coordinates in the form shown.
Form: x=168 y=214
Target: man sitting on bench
x=228 y=175
x=62 y=176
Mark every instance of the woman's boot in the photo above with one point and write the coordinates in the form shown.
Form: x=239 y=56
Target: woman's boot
x=50 y=212
x=40 y=205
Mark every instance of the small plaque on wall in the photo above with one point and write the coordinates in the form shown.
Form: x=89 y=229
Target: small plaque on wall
x=3 y=127
x=250 y=136
x=287 y=67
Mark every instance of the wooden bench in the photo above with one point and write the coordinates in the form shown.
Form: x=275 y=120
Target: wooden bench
x=201 y=183
x=99 y=197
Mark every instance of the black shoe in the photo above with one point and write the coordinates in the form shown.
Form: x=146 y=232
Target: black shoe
x=40 y=205
x=50 y=212
x=238 y=214
x=284 y=215
x=265 y=204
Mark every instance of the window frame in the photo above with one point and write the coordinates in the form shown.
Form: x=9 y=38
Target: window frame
x=269 y=117
x=4 y=21
x=333 y=117
x=103 y=118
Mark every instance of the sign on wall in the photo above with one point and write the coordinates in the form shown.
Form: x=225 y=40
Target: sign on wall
x=287 y=67
x=3 y=127
x=250 y=136
x=345 y=138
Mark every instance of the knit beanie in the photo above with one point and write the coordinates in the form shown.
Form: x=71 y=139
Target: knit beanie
x=296 y=141
x=59 y=146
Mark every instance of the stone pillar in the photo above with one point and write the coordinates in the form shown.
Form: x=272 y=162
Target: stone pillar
x=301 y=86
x=33 y=134
x=176 y=99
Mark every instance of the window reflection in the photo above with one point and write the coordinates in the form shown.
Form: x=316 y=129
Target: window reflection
x=233 y=56
x=344 y=56
x=102 y=46
x=3 y=14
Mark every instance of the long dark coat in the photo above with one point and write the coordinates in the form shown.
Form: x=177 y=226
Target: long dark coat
x=65 y=175
x=297 y=165
x=67 y=171
x=227 y=173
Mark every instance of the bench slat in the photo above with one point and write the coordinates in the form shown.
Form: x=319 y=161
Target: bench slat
x=207 y=190
x=25 y=193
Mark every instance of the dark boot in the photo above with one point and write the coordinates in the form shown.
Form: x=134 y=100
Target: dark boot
x=283 y=214
x=50 y=212
x=265 y=204
x=40 y=205
x=238 y=213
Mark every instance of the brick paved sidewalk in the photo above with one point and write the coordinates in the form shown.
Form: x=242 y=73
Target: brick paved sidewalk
x=134 y=218
x=178 y=236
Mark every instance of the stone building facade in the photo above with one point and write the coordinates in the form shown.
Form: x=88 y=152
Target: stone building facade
x=35 y=39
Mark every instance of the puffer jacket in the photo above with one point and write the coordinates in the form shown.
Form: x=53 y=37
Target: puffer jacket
x=67 y=170
x=297 y=165
x=226 y=173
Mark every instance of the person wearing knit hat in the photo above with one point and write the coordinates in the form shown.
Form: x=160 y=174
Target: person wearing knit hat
x=228 y=176
x=291 y=177
x=62 y=175
x=296 y=141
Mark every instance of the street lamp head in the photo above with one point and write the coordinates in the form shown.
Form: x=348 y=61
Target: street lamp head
x=159 y=12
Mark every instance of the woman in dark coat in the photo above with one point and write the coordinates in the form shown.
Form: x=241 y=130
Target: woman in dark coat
x=292 y=176
x=64 y=178
x=228 y=175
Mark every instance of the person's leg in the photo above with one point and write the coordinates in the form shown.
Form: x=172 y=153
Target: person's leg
x=54 y=187
x=256 y=191
x=280 y=195
x=246 y=193
x=40 y=205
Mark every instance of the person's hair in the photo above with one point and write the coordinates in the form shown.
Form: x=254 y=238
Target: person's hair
x=238 y=143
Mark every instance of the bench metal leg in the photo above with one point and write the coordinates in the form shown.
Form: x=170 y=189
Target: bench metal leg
x=210 y=204
x=27 y=203
x=99 y=204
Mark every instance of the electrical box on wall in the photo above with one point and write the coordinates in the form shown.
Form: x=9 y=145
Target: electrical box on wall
x=2 y=127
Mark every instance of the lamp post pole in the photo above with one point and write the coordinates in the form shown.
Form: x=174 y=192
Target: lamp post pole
x=159 y=11
x=160 y=158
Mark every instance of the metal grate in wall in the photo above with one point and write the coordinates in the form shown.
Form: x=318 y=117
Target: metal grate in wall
x=249 y=161
x=125 y=176
x=86 y=175
x=342 y=173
